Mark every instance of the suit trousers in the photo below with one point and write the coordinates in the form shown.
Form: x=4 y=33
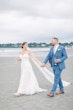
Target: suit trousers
x=57 y=79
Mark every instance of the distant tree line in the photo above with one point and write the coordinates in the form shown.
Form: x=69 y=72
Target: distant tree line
x=33 y=45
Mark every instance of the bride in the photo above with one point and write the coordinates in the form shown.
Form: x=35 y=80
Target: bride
x=28 y=83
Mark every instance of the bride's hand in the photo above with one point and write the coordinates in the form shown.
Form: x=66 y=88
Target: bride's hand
x=43 y=65
x=18 y=59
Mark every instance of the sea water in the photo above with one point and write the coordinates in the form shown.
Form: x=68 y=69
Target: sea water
x=14 y=52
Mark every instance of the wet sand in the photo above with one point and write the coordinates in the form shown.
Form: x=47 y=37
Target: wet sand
x=9 y=80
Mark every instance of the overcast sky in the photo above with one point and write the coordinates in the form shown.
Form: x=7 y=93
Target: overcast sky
x=36 y=20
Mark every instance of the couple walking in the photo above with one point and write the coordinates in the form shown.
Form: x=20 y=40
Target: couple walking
x=28 y=83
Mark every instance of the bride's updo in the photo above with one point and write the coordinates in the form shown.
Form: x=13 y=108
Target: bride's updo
x=23 y=44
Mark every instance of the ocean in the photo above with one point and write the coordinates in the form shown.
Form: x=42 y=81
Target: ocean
x=14 y=52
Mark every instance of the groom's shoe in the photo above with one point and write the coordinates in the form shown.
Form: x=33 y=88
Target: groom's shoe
x=50 y=95
x=59 y=92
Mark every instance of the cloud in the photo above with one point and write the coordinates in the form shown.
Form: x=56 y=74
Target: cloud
x=44 y=8
x=35 y=20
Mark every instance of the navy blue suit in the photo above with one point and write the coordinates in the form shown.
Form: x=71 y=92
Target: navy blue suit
x=57 y=67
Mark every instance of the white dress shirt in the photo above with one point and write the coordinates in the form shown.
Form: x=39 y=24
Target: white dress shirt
x=55 y=48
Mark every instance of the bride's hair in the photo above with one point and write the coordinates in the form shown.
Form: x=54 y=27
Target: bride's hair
x=23 y=44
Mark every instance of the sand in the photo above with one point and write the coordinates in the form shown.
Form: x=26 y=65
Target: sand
x=9 y=80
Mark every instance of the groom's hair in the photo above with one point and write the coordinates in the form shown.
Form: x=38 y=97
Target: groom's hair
x=55 y=38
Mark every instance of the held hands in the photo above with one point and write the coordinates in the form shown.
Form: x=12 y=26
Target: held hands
x=43 y=65
x=57 y=60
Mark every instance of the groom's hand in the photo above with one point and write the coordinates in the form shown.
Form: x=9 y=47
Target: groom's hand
x=57 y=60
x=43 y=65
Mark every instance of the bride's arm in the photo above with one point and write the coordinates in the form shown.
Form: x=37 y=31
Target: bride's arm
x=34 y=58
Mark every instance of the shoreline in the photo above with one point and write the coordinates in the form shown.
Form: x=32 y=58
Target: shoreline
x=37 y=52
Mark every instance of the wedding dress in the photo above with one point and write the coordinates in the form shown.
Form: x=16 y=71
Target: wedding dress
x=28 y=83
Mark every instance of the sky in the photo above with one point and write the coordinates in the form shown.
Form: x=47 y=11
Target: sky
x=36 y=20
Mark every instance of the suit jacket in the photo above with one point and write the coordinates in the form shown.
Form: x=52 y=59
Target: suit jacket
x=60 y=54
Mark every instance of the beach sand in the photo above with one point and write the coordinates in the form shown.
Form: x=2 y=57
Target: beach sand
x=9 y=80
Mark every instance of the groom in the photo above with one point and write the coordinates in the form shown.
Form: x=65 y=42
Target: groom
x=56 y=58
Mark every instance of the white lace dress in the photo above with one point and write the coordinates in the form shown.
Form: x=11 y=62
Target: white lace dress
x=28 y=83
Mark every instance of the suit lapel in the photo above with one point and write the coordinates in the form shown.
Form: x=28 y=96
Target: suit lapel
x=53 y=49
